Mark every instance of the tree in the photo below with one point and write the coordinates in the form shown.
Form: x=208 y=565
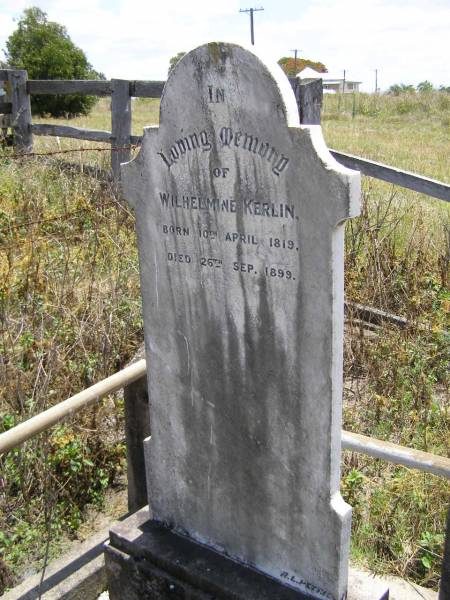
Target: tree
x=401 y=88
x=292 y=68
x=174 y=60
x=46 y=51
x=424 y=87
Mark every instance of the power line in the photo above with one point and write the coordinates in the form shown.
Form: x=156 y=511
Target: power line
x=251 y=11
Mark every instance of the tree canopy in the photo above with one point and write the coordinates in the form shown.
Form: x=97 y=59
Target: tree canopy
x=174 y=60
x=45 y=50
x=401 y=88
x=291 y=67
x=425 y=87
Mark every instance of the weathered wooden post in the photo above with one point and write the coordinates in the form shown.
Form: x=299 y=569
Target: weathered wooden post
x=20 y=110
x=137 y=429
x=309 y=97
x=5 y=106
x=120 y=124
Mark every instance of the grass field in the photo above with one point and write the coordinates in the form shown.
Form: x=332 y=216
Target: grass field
x=70 y=315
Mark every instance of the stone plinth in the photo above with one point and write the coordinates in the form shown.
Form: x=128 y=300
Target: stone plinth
x=146 y=561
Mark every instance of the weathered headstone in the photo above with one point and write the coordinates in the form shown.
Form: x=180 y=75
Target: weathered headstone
x=239 y=216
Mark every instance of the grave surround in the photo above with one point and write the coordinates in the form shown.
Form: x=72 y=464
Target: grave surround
x=240 y=216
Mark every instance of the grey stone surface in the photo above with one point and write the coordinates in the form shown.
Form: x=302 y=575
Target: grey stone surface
x=239 y=217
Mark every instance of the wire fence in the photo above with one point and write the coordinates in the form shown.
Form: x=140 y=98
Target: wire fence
x=21 y=155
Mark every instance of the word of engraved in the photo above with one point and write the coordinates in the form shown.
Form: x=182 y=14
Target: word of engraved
x=207 y=234
x=309 y=586
x=211 y=262
x=192 y=141
x=180 y=258
x=215 y=95
x=237 y=139
x=244 y=267
x=281 y=273
x=280 y=243
x=220 y=172
x=175 y=229
x=247 y=207
x=228 y=138
x=241 y=237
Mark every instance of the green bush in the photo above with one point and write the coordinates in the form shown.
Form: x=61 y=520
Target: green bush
x=46 y=51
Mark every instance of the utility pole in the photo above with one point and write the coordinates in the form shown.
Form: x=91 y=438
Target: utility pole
x=295 y=60
x=376 y=81
x=252 y=30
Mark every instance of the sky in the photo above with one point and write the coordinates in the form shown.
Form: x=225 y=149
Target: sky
x=407 y=41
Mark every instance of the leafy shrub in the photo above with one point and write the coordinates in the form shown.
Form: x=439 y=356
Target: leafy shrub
x=46 y=51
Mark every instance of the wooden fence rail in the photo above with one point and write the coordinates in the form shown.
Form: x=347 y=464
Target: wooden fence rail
x=85 y=87
x=78 y=133
x=424 y=185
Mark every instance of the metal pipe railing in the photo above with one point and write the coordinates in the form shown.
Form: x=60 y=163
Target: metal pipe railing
x=394 y=453
x=44 y=420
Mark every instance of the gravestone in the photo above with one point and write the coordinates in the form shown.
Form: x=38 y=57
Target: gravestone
x=240 y=217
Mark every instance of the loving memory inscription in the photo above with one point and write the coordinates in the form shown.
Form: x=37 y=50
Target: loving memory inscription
x=195 y=201
x=239 y=216
x=228 y=138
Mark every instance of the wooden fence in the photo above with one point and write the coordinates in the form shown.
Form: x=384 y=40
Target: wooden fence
x=16 y=113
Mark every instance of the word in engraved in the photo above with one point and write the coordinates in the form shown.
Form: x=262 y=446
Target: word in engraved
x=227 y=137
x=187 y=143
x=309 y=586
x=215 y=95
x=238 y=139
x=247 y=207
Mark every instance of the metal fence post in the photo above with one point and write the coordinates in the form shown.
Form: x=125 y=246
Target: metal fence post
x=20 y=110
x=120 y=124
x=137 y=428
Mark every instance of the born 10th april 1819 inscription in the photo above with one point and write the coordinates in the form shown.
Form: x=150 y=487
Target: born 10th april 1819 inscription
x=239 y=217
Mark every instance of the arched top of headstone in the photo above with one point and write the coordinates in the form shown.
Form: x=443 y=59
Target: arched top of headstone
x=224 y=105
x=235 y=79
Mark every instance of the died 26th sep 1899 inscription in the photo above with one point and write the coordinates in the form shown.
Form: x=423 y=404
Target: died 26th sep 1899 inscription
x=239 y=215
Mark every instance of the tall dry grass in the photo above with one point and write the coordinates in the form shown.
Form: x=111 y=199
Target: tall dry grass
x=70 y=315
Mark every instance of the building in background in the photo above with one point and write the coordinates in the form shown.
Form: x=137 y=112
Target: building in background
x=331 y=83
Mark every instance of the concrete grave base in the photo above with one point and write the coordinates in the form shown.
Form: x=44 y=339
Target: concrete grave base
x=145 y=560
